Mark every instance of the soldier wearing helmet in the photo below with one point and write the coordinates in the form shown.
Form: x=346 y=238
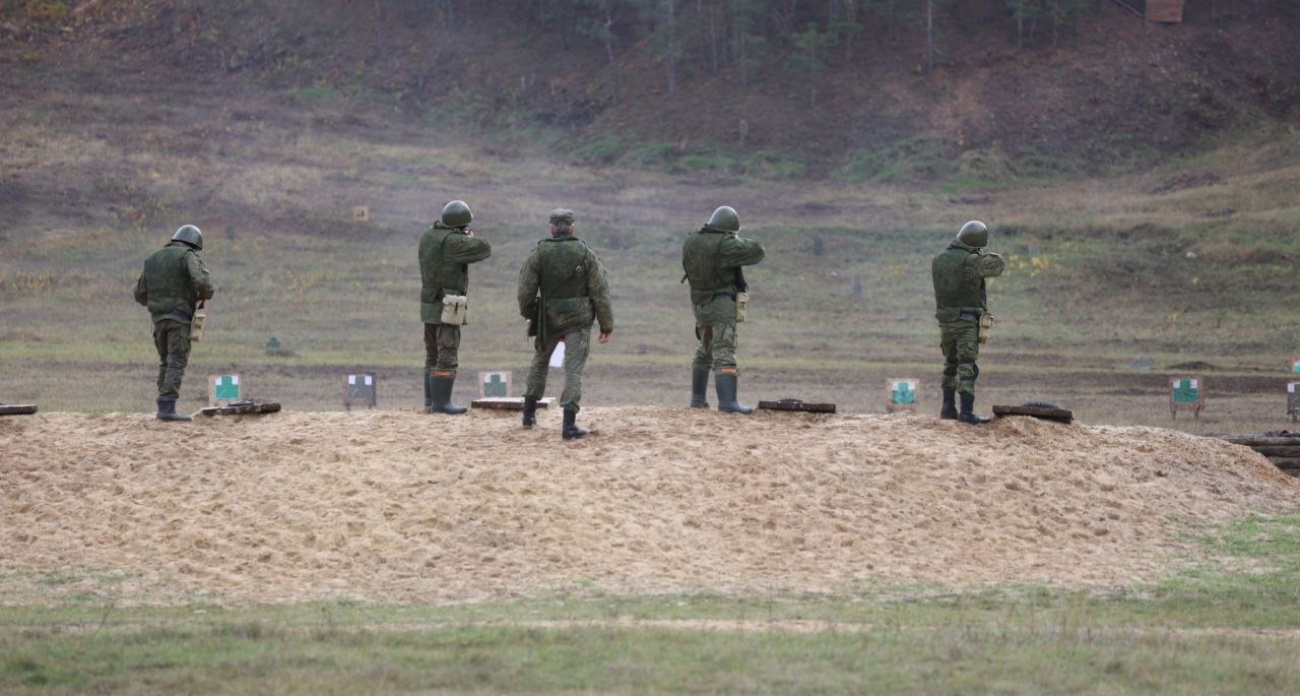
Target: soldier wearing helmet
x=446 y=251
x=712 y=258
x=173 y=286
x=961 y=305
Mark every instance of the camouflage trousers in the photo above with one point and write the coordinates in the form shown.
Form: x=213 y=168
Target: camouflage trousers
x=172 y=339
x=715 y=327
x=577 y=344
x=441 y=348
x=961 y=348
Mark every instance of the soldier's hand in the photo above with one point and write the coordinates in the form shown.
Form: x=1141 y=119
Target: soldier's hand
x=604 y=337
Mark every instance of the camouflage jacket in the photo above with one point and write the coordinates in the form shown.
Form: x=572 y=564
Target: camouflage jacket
x=173 y=282
x=712 y=260
x=565 y=273
x=445 y=256
x=960 y=280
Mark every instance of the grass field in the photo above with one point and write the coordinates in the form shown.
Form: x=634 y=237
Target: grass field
x=1217 y=628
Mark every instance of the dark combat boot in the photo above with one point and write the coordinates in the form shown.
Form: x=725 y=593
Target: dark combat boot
x=571 y=430
x=443 y=381
x=967 y=414
x=699 y=387
x=949 y=410
x=167 y=410
x=530 y=411
x=725 y=383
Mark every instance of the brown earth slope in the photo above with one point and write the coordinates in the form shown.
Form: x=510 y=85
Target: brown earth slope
x=399 y=507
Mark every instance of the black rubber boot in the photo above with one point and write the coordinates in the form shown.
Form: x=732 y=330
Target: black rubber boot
x=726 y=386
x=967 y=414
x=949 y=410
x=428 y=392
x=571 y=430
x=530 y=411
x=167 y=410
x=699 y=387
x=442 y=396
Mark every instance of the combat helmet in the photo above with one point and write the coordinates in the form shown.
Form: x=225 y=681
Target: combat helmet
x=724 y=219
x=456 y=214
x=974 y=234
x=190 y=235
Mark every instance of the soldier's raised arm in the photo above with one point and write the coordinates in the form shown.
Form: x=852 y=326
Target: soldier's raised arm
x=466 y=248
x=737 y=251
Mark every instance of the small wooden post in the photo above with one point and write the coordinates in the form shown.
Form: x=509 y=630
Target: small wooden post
x=1293 y=400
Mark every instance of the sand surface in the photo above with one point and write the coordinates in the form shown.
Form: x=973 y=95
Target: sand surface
x=402 y=507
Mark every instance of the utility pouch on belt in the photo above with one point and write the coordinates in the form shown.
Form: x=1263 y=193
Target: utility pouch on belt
x=742 y=306
x=986 y=325
x=453 y=309
x=196 y=324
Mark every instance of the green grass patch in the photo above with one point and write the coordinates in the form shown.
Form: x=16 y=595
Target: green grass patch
x=1225 y=625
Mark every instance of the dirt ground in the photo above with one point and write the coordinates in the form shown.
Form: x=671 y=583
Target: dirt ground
x=395 y=506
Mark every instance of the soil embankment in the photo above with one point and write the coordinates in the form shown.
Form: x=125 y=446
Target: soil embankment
x=401 y=507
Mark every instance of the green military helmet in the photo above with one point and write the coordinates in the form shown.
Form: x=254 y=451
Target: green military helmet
x=456 y=214
x=190 y=235
x=974 y=234
x=724 y=219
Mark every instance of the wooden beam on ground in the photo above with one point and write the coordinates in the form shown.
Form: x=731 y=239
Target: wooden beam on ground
x=1051 y=413
x=508 y=403
x=240 y=409
x=17 y=409
x=796 y=405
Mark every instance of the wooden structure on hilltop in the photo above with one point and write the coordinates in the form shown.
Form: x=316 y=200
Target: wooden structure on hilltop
x=1282 y=448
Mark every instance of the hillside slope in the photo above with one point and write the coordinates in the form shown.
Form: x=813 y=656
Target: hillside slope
x=1108 y=90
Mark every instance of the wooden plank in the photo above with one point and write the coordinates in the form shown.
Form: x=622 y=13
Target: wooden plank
x=1165 y=11
x=17 y=409
x=1276 y=451
x=1259 y=440
x=1060 y=415
x=796 y=405
x=240 y=409
x=508 y=403
x=1287 y=463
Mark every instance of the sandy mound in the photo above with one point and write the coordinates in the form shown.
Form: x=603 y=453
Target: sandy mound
x=402 y=507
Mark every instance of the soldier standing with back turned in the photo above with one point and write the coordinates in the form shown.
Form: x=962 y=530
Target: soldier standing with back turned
x=562 y=290
x=712 y=257
x=173 y=285
x=961 y=300
x=446 y=251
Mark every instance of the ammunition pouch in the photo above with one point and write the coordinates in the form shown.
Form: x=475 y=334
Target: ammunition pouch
x=742 y=306
x=986 y=326
x=453 y=309
x=196 y=325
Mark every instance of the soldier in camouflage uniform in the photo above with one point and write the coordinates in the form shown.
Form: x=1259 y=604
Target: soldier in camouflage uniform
x=961 y=299
x=712 y=257
x=173 y=285
x=446 y=251
x=562 y=289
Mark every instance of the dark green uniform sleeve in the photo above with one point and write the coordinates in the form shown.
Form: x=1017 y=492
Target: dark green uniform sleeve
x=737 y=251
x=142 y=291
x=986 y=265
x=199 y=275
x=463 y=248
x=529 y=278
x=598 y=291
